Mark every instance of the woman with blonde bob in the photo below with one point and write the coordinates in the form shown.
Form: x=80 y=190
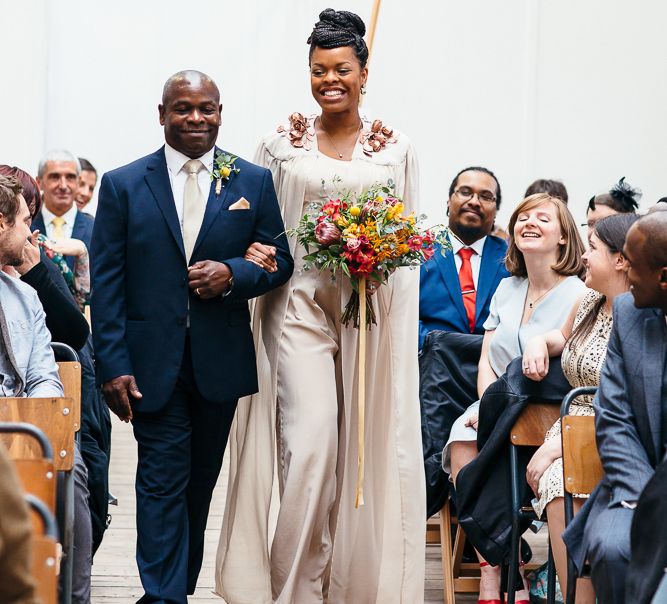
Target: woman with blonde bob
x=544 y=259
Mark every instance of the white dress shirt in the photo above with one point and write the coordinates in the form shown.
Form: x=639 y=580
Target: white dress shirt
x=475 y=259
x=177 y=176
x=69 y=217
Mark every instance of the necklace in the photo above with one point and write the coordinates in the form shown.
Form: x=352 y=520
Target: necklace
x=340 y=155
x=536 y=300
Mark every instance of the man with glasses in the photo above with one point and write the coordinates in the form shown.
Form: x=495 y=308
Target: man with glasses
x=455 y=293
x=456 y=288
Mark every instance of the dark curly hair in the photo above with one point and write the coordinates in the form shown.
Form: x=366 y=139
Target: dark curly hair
x=622 y=198
x=338 y=28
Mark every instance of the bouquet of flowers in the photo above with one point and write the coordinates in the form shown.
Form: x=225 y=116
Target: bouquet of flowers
x=365 y=237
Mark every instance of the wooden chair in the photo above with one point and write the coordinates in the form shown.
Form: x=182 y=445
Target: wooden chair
x=37 y=476
x=56 y=417
x=528 y=431
x=582 y=468
x=69 y=369
x=45 y=553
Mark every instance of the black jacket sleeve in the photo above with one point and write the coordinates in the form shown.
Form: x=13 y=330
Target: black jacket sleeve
x=63 y=318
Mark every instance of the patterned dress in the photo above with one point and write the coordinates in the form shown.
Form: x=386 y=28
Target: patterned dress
x=582 y=367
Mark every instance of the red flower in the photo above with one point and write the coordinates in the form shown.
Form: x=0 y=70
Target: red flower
x=415 y=243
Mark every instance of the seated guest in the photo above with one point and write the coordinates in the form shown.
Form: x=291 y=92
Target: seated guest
x=544 y=259
x=87 y=182
x=555 y=188
x=68 y=325
x=630 y=412
x=621 y=199
x=63 y=317
x=456 y=289
x=582 y=344
x=27 y=364
x=17 y=585
x=59 y=219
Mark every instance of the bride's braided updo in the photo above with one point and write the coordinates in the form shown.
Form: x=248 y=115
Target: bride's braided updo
x=338 y=28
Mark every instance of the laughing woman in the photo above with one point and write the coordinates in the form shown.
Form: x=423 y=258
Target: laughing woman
x=325 y=550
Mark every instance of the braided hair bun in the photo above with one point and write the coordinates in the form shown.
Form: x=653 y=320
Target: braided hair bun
x=338 y=28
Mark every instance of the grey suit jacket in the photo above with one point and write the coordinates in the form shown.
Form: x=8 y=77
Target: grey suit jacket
x=627 y=414
x=30 y=339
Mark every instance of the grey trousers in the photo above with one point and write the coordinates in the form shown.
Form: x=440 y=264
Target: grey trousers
x=83 y=531
x=608 y=538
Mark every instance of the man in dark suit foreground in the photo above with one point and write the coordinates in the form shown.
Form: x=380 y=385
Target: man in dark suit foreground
x=171 y=321
x=630 y=412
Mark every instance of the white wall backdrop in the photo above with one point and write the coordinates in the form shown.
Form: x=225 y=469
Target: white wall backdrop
x=529 y=88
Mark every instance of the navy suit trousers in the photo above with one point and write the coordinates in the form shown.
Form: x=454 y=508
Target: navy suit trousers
x=180 y=449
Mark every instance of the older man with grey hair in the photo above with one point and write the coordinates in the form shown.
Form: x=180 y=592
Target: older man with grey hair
x=60 y=220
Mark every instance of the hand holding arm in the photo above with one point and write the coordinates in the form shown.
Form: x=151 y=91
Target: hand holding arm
x=263 y=256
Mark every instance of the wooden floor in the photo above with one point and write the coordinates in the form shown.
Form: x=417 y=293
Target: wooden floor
x=115 y=577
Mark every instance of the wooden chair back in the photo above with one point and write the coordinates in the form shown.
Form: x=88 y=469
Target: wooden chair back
x=54 y=416
x=45 y=553
x=70 y=376
x=531 y=427
x=38 y=478
x=582 y=469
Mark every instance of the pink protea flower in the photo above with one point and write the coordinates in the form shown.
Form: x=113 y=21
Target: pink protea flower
x=327 y=234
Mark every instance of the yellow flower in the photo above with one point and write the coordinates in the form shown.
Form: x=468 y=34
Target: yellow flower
x=225 y=172
x=342 y=222
x=355 y=210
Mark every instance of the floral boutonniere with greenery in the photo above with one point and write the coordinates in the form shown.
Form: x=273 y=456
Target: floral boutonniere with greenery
x=223 y=166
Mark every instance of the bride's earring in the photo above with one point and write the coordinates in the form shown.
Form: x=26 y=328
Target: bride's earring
x=363 y=89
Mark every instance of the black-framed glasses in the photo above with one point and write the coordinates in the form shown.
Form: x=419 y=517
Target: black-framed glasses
x=466 y=194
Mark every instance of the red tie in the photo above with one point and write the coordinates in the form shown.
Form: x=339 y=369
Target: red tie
x=468 y=285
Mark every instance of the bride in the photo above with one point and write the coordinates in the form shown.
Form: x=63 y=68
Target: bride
x=325 y=550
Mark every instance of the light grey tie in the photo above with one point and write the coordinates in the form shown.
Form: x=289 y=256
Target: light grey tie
x=194 y=205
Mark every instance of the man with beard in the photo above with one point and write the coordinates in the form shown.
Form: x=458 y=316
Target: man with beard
x=27 y=366
x=455 y=293
x=456 y=288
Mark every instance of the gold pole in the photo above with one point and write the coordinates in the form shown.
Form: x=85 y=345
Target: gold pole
x=372 y=27
x=361 y=395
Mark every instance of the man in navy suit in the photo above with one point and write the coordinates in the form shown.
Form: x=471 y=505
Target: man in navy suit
x=630 y=414
x=171 y=322
x=456 y=288
x=59 y=219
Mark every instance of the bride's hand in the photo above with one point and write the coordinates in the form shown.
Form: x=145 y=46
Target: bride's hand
x=535 y=362
x=372 y=287
x=69 y=247
x=263 y=256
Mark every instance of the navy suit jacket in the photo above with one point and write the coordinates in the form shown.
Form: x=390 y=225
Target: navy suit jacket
x=82 y=229
x=440 y=300
x=140 y=287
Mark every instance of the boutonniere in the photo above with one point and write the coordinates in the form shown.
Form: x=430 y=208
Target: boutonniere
x=223 y=166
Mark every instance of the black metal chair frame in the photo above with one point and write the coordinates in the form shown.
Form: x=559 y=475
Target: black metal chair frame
x=519 y=516
x=63 y=352
x=568 y=500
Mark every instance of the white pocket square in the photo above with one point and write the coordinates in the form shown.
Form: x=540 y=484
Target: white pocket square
x=241 y=204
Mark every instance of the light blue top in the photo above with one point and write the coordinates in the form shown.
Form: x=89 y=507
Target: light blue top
x=510 y=337
x=31 y=342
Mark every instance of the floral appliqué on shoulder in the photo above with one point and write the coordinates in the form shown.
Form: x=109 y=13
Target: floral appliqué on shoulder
x=299 y=131
x=376 y=138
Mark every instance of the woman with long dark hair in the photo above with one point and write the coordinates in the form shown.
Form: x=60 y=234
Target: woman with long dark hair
x=582 y=342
